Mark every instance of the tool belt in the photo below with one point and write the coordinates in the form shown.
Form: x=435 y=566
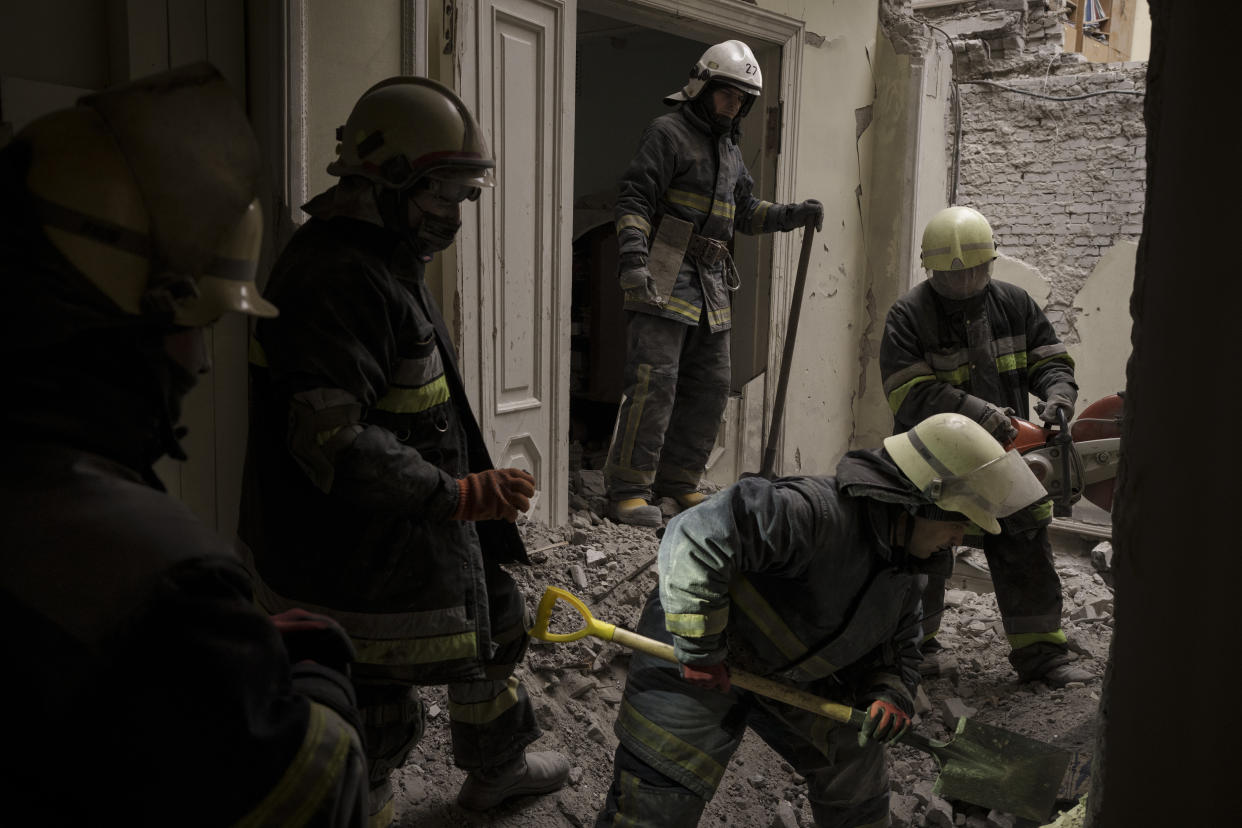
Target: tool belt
x=707 y=251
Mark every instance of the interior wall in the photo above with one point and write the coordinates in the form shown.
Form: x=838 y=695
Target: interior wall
x=1169 y=738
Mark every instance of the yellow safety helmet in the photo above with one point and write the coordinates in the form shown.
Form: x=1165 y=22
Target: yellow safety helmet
x=957 y=238
x=150 y=191
x=961 y=468
x=405 y=128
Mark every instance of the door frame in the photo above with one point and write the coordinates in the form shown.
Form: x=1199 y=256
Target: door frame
x=713 y=21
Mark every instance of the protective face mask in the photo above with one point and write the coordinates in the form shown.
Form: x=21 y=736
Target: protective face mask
x=961 y=284
x=439 y=219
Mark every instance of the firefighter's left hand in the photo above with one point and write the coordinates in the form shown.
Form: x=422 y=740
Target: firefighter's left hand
x=806 y=213
x=886 y=722
x=1056 y=402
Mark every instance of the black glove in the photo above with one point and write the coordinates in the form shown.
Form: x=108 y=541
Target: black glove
x=996 y=422
x=309 y=636
x=800 y=215
x=635 y=276
x=1060 y=398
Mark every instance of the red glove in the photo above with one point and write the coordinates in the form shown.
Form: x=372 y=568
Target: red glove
x=707 y=676
x=494 y=494
x=309 y=636
x=886 y=722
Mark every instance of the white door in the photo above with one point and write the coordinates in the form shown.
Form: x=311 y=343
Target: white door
x=517 y=74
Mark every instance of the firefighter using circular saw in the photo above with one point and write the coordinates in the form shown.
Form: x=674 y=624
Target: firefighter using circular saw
x=129 y=223
x=961 y=341
x=685 y=192
x=813 y=581
x=372 y=495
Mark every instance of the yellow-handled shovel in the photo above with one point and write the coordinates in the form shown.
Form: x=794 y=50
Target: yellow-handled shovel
x=981 y=764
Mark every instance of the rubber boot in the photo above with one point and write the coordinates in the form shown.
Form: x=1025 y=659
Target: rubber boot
x=637 y=512
x=529 y=774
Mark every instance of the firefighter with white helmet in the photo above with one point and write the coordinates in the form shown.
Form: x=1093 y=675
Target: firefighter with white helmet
x=963 y=342
x=371 y=493
x=813 y=581
x=128 y=224
x=684 y=194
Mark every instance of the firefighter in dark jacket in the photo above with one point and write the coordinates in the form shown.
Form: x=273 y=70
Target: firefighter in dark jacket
x=128 y=224
x=962 y=342
x=371 y=496
x=812 y=581
x=683 y=195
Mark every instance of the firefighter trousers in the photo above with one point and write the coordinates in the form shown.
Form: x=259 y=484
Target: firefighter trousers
x=1028 y=591
x=676 y=740
x=491 y=719
x=676 y=386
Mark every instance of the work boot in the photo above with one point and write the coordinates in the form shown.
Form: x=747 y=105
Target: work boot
x=531 y=773
x=637 y=512
x=1063 y=674
x=689 y=499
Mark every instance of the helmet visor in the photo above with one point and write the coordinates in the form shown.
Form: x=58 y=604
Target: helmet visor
x=997 y=489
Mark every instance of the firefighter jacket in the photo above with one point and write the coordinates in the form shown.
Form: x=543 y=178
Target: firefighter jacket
x=133 y=642
x=360 y=430
x=797 y=579
x=943 y=355
x=686 y=170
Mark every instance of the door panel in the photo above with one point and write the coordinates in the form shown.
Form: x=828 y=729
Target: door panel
x=520 y=275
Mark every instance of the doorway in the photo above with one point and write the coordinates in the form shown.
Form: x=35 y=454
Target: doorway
x=625 y=65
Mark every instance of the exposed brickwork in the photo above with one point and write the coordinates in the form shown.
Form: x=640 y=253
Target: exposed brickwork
x=1061 y=182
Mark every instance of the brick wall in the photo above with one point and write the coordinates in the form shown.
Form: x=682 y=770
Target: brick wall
x=1060 y=181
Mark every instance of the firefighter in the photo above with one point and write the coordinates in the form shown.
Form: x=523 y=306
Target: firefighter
x=129 y=224
x=813 y=581
x=962 y=342
x=684 y=193
x=372 y=497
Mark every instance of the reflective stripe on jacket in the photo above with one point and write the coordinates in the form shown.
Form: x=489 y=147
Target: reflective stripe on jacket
x=939 y=355
x=360 y=430
x=796 y=578
x=684 y=170
x=135 y=636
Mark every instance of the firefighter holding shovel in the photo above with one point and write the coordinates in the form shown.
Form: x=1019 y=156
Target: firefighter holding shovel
x=813 y=582
x=683 y=195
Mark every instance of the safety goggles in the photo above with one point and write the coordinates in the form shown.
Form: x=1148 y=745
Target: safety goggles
x=453 y=190
x=999 y=487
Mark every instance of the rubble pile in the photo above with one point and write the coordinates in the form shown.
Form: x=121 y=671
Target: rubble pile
x=576 y=688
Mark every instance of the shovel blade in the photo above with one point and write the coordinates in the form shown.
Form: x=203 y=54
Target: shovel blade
x=999 y=769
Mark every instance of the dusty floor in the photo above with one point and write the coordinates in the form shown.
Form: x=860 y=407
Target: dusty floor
x=576 y=689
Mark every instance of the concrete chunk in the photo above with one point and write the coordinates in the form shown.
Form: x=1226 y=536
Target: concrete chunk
x=953 y=709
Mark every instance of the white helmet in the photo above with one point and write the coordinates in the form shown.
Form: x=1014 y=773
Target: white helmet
x=731 y=62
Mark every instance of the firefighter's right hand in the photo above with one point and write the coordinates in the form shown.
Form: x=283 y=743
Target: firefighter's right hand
x=636 y=279
x=495 y=494
x=707 y=676
x=996 y=422
x=309 y=636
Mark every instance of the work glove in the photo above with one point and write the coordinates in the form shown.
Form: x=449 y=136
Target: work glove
x=494 y=494
x=707 y=676
x=996 y=422
x=1060 y=398
x=635 y=276
x=886 y=722
x=804 y=213
x=309 y=636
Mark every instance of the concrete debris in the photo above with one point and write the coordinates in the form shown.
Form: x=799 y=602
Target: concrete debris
x=921 y=703
x=576 y=685
x=591 y=483
x=953 y=709
x=595 y=556
x=596 y=734
x=999 y=819
x=901 y=810
x=579 y=575
x=580 y=537
x=575 y=776
x=1102 y=556
x=939 y=813
x=785 y=816
x=433 y=711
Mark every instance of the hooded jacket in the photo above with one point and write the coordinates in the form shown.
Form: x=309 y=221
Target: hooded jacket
x=796 y=578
